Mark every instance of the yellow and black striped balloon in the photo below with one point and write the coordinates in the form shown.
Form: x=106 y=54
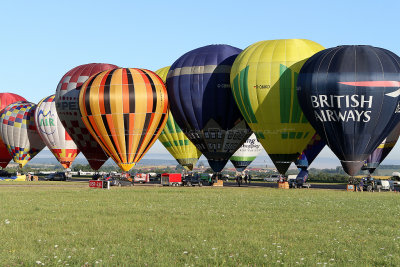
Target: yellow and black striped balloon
x=125 y=110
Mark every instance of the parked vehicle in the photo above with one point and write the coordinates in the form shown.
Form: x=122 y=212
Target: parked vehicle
x=292 y=181
x=58 y=176
x=301 y=183
x=171 y=179
x=119 y=180
x=141 y=178
x=370 y=184
x=154 y=176
x=4 y=173
x=273 y=178
x=386 y=185
x=396 y=178
x=206 y=178
x=192 y=180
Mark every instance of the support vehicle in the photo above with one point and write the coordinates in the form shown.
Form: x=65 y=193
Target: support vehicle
x=192 y=180
x=58 y=176
x=171 y=179
x=141 y=178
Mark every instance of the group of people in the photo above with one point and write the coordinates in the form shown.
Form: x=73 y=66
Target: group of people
x=240 y=178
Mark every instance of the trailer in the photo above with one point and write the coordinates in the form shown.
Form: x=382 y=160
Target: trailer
x=171 y=179
x=141 y=178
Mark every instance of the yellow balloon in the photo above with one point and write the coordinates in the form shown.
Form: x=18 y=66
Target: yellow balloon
x=263 y=80
x=174 y=140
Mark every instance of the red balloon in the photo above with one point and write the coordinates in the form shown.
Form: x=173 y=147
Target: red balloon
x=67 y=105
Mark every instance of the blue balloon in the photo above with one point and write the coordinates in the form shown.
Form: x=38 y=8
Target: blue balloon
x=350 y=95
x=201 y=101
x=310 y=152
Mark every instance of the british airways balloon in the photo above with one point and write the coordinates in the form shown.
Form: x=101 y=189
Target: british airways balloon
x=350 y=95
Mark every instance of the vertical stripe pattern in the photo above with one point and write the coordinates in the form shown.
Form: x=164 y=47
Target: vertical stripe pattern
x=125 y=110
x=264 y=84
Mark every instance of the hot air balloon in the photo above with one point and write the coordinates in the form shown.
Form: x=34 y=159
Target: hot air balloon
x=310 y=152
x=382 y=151
x=246 y=153
x=174 y=140
x=202 y=103
x=53 y=132
x=5 y=100
x=263 y=80
x=67 y=105
x=308 y=155
x=126 y=110
x=19 y=132
x=350 y=94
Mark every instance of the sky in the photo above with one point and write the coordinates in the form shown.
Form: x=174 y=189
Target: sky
x=41 y=40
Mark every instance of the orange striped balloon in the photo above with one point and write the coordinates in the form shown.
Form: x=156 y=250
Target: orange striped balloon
x=125 y=110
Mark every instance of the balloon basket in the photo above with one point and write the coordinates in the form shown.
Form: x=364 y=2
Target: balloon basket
x=351 y=187
x=283 y=185
x=219 y=183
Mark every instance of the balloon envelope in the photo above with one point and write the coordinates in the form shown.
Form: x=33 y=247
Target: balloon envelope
x=202 y=103
x=246 y=153
x=67 y=105
x=174 y=140
x=125 y=109
x=19 y=132
x=263 y=80
x=312 y=150
x=5 y=100
x=350 y=96
x=53 y=132
x=382 y=151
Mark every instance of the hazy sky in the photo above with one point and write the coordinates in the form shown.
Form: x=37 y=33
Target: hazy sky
x=42 y=40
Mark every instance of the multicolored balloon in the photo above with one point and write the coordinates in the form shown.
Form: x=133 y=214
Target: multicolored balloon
x=53 y=132
x=174 y=140
x=263 y=80
x=245 y=155
x=350 y=95
x=380 y=153
x=202 y=103
x=5 y=100
x=19 y=132
x=67 y=105
x=126 y=110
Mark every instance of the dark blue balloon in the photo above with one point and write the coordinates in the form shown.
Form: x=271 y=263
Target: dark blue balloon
x=201 y=101
x=350 y=95
x=310 y=152
x=303 y=175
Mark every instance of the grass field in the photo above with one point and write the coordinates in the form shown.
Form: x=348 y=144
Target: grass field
x=141 y=226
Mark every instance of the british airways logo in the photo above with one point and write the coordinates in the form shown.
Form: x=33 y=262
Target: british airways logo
x=377 y=84
x=353 y=107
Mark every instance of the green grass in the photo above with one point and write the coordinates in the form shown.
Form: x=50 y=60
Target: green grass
x=197 y=226
x=44 y=183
